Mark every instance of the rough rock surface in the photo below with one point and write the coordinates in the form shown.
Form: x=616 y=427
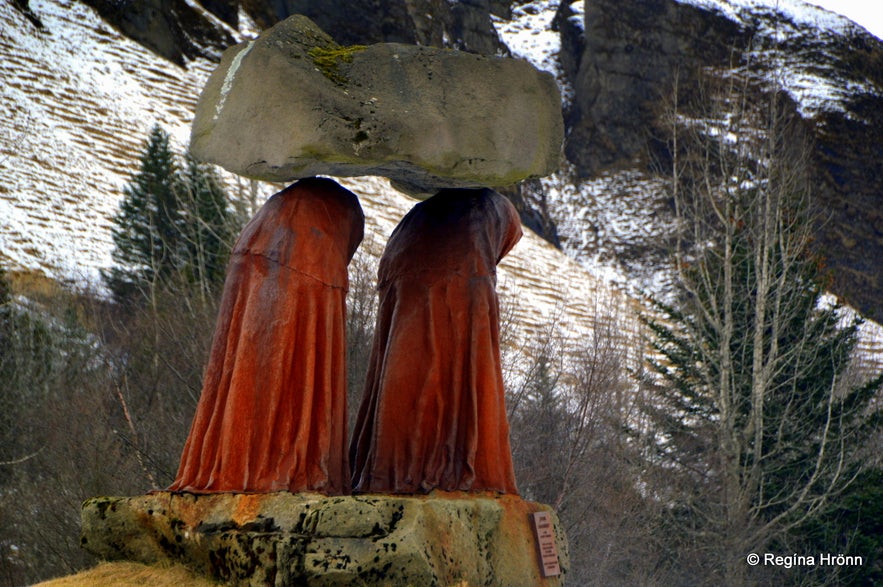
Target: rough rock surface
x=298 y=539
x=419 y=115
x=630 y=56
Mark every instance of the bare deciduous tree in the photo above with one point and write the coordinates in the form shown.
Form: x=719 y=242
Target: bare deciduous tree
x=747 y=411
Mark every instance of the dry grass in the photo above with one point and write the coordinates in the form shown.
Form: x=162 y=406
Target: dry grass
x=33 y=284
x=127 y=574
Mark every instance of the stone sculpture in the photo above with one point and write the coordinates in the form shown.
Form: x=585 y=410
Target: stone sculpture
x=270 y=428
x=433 y=414
x=272 y=415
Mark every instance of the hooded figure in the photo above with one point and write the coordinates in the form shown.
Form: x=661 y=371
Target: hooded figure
x=432 y=414
x=272 y=415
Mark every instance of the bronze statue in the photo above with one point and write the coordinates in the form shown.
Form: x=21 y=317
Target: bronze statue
x=432 y=415
x=272 y=415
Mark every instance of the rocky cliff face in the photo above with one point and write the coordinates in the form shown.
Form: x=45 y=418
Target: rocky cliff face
x=626 y=59
x=180 y=30
x=438 y=23
x=176 y=29
x=631 y=53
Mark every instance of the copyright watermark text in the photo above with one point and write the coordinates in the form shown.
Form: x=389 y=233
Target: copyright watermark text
x=788 y=561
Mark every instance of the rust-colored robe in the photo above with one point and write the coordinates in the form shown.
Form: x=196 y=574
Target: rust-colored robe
x=272 y=415
x=432 y=415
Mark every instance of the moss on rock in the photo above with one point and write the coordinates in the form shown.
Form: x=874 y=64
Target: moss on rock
x=328 y=60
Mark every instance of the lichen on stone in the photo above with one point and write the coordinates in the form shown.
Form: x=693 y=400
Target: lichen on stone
x=328 y=59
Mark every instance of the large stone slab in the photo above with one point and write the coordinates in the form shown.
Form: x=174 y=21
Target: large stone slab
x=294 y=104
x=442 y=539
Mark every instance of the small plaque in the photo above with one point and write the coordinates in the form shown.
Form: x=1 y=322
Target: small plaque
x=545 y=534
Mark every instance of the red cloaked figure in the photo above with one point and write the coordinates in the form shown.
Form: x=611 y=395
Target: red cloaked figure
x=432 y=414
x=272 y=415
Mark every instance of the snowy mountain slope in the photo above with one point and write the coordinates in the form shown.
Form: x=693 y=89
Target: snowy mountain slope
x=801 y=48
x=78 y=100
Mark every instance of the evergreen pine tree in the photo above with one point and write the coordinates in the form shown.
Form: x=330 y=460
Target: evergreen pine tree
x=852 y=525
x=174 y=225
x=147 y=228
x=209 y=226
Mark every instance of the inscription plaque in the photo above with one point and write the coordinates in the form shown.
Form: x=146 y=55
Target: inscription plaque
x=546 y=549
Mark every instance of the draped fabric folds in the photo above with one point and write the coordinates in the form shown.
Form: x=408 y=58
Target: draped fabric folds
x=432 y=414
x=272 y=415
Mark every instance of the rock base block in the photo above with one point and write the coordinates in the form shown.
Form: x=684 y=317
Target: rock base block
x=442 y=539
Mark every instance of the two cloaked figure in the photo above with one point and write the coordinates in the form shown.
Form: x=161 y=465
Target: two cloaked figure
x=272 y=415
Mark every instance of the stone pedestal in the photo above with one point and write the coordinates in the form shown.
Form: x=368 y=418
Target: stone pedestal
x=442 y=539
